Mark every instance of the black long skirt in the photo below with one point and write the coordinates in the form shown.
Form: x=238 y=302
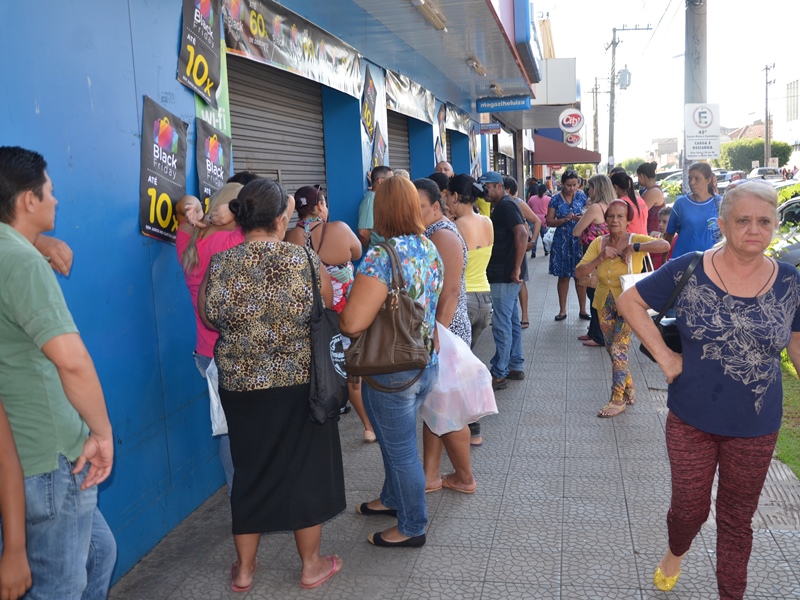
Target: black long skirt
x=288 y=471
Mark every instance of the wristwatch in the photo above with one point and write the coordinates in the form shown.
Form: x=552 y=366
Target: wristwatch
x=636 y=246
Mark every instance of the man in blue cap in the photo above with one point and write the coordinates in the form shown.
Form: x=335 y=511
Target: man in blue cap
x=505 y=272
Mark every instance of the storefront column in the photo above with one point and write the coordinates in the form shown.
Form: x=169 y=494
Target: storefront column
x=341 y=115
x=423 y=159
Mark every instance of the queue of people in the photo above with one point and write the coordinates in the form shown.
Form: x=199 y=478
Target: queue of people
x=252 y=279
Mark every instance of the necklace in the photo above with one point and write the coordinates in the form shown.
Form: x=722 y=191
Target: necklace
x=727 y=299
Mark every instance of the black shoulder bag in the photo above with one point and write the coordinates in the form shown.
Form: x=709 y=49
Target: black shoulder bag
x=668 y=327
x=328 y=378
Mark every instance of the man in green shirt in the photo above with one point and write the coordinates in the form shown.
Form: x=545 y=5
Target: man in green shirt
x=366 y=234
x=52 y=395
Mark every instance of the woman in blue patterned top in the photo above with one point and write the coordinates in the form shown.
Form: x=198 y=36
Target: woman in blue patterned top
x=737 y=313
x=397 y=218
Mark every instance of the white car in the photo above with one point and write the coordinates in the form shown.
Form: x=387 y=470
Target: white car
x=770 y=173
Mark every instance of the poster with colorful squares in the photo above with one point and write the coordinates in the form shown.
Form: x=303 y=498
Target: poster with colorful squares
x=198 y=62
x=162 y=179
x=213 y=156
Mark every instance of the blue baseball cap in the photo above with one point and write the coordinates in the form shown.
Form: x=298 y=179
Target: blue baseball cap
x=491 y=177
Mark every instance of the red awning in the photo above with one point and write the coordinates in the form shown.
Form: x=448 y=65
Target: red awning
x=551 y=152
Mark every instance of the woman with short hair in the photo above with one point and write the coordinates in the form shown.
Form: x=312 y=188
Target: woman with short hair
x=614 y=255
x=736 y=314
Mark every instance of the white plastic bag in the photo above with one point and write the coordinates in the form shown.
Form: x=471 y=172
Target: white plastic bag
x=219 y=425
x=547 y=240
x=463 y=393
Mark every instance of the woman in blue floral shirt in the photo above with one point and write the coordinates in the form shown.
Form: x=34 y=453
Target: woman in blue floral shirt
x=397 y=218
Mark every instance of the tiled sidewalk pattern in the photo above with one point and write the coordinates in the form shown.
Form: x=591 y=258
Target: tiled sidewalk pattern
x=568 y=506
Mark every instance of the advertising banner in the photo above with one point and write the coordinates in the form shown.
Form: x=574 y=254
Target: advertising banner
x=213 y=156
x=457 y=119
x=221 y=116
x=267 y=32
x=439 y=149
x=378 y=148
x=368 y=99
x=163 y=172
x=409 y=98
x=198 y=62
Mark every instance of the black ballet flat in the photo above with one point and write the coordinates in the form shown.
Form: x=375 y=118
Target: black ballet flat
x=376 y=539
x=364 y=509
x=561 y=317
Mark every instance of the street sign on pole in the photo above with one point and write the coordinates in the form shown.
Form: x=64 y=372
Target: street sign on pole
x=701 y=127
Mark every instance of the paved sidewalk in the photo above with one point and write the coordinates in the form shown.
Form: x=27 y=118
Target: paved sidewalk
x=568 y=506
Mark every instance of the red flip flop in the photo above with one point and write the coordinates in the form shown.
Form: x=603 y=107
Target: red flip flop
x=239 y=588
x=336 y=566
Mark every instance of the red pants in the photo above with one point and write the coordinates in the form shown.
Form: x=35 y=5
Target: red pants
x=743 y=465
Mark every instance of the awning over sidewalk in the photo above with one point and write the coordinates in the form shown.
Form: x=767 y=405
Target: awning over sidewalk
x=551 y=152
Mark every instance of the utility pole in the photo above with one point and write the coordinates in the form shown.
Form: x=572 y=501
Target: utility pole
x=596 y=131
x=767 y=142
x=695 y=83
x=613 y=45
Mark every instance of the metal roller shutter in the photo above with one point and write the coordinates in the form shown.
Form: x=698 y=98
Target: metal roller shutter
x=276 y=122
x=399 y=154
x=448 y=137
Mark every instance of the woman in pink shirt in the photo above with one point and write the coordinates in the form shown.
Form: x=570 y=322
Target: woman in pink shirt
x=196 y=244
x=539 y=204
x=623 y=186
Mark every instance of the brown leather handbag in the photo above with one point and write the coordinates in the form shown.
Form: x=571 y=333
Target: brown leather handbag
x=393 y=342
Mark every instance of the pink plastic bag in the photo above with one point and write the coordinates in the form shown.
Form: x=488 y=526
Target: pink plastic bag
x=463 y=393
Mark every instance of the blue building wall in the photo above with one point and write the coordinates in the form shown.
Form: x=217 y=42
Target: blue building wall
x=77 y=98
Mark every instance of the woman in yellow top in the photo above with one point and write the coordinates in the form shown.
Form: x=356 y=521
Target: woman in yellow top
x=610 y=255
x=478 y=234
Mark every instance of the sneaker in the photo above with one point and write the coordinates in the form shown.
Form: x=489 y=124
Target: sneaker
x=516 y=375
x=499 y=383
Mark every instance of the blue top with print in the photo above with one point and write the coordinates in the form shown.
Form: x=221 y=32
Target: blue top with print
x=731 y=380
x=423 y=271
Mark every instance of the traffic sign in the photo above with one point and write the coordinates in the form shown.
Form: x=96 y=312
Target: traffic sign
x=701 y=130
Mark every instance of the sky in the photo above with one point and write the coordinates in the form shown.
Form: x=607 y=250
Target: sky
x=743 y=37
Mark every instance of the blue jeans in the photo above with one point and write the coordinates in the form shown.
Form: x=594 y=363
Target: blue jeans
x=71 y=550
x=506 y=330
x=202 y=363
x=394 y=418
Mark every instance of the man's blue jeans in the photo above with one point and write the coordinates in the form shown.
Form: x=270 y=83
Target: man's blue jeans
x=394 y=418
x=506 y=329
x=71 y=550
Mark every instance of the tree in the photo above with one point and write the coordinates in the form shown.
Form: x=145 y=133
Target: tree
x=581 y=168
x=738 y=155
x=630 y=164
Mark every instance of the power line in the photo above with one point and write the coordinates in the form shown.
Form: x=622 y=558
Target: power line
x=657 y=25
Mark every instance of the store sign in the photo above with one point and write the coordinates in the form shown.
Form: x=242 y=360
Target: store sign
x=572 y=139
x=213 y=156
x=490 y=128
x=507 y=103
x=267 y=32
x=198 y=62
x=457 y=119
x=505 y=143
x=571 y=120
x=162 y=180
x=409 y=98
x=701 y=127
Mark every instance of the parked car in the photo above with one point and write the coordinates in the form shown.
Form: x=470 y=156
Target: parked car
x=725 y=179
x=770 y=173
x=662 y=175
x=674 y=178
